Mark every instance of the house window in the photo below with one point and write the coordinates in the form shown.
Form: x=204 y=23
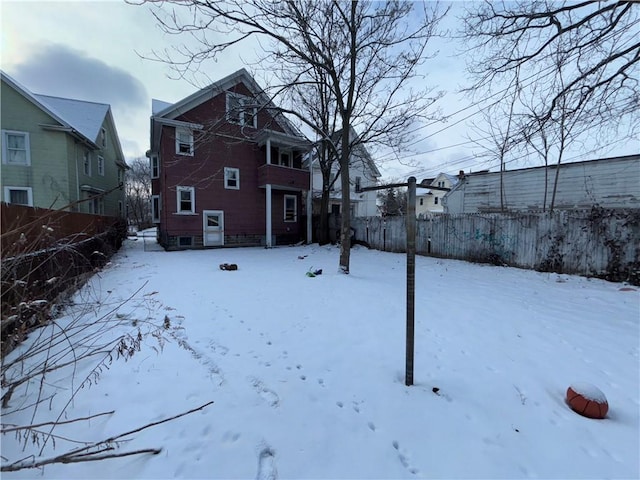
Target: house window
x=155 y=166
x=185 y=241
x=332 y=181
x=101 y=166
x=120 y=176
x=96 y=205
x=103 y=138
x=358 y=184
x=239 y=110
x=231 y=178
x=285 y=159
x=421 y=201
x=435 y=200
x=186 y=200
x=87 y=163
x=290 y=208
x=120 y=209
x=155 y=208
x=184 y=141
x=15 y=148
x=18 y=195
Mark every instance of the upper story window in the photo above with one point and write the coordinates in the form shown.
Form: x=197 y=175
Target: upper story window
x=184 y=141
x=103 y=137
x=120 y=176
x=186 y=199
x=15 y=148
x=435 y=200
x=421 y=201
x=240 y=111
x=358 y=183
x=231 y=178
x=101 y=166
x=86 y=163
x=19 y=195
x=286 y=159
x=155 y=166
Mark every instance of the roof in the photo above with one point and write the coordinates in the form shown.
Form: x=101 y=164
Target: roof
x=86 y=117
x=81 y=118
x=161 y=109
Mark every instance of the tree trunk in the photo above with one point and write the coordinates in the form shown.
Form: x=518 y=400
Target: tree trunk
x=345 y=230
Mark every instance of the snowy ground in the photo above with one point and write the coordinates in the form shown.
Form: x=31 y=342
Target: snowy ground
x=307 y=374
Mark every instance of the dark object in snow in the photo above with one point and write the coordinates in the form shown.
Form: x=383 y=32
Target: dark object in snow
x=314 y=273
x=301 y=257
x=435 y=390
x=228 y=266
x=587 y=400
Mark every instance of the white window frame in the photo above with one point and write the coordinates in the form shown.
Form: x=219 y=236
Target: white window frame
x=180 y=143
x=239 y=117
x=192 y=191
x=103 y=137
x=155 y=166
x=101 y=165
x=228 y=172
x=295 y=208
x=155 y=208
x=5 y=148
x=7 y=195
x=86 y=163
x=288 y=155
x=120 y=176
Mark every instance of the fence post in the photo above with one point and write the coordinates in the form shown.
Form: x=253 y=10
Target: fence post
x=411 y=278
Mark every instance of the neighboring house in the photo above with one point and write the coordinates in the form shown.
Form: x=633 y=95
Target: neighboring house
x=58 y=151
x=609 y=183
x=226 y=169
x=430 y=200
x=363 y=172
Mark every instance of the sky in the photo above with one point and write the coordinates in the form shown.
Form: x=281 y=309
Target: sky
x=103 y=51
x=307 y=374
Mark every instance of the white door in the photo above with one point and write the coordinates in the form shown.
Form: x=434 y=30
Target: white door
x=213 y=234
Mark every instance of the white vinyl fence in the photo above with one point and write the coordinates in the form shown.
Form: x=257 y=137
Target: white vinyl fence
x=597 y=242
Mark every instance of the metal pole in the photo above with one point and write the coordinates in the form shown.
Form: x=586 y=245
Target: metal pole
x=411 y=277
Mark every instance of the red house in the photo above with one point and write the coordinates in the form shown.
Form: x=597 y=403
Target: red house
x=226 y=169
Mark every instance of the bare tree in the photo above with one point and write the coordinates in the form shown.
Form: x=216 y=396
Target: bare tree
x=368 y=53
x=596 y=82
x=138 y=192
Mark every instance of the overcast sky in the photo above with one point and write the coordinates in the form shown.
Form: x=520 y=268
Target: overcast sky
x=95 y=51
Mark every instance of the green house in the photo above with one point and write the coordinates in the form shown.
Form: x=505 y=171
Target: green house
x=59 y=153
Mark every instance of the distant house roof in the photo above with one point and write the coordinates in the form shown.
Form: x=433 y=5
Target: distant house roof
x=81 y=118
x=86 y=117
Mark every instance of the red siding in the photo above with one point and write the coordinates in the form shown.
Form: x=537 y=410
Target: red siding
x=225 y=145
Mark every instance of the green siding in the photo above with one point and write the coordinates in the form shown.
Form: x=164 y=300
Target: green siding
x=56 y=173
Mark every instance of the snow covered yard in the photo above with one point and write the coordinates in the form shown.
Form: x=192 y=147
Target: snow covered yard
x=307 y=374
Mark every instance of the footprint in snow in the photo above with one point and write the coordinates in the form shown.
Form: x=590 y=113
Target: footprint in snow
x=266 y=465
x=404 y=459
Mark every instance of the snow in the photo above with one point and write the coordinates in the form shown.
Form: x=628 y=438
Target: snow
x=307 y=373
x=589 y=391
x=86 y=117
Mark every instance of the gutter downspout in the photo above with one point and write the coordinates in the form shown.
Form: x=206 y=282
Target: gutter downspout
x=268 y=242
x=310 y=203
x=77 y=177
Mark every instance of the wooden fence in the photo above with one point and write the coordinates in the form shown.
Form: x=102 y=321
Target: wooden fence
x=598 y=242
x=25 y=229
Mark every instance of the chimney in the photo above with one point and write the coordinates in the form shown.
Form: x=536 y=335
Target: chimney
x=461 y=174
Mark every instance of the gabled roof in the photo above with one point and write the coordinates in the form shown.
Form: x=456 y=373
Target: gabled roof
x=170 y=111
x=86 y=117
x=46 y=108
x=80 y=118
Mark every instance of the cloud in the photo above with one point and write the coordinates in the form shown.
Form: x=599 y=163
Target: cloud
x=62 y=71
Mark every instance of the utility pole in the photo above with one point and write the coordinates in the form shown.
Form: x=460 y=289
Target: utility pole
x=411 y=265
